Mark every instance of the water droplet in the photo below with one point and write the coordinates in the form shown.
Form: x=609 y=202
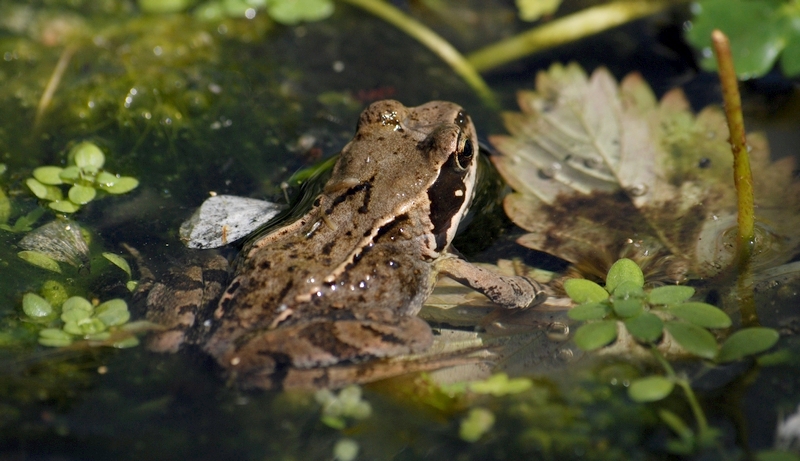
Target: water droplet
x=706 y=52
x=558 y=331
x=687 y=26
x=550 y=172
x=592 y=163
x=565 y=355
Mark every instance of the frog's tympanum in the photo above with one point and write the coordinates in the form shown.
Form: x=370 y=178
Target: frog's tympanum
x=340 y=287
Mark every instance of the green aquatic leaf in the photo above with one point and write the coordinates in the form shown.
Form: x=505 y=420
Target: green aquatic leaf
x=746 y=342
x=584 y=291
x=645 y=327
x=670 y=294
x=113 y=312
x=650 y=389
x=589 y=311
x=106 y=179
x=88 y=157
x=759 y=32
x=595 y=335
x=628 y=289
x=70 y=174
x=26 y=222
x=40 y=260
x=64 y=206
x=74 y=315
x=81 y=195
x=122 y=185
x=499 y=384
x=345 y=450
x=291 y=12
x=43 y=191
x=48 y=175
x=35 y=306
x=628 y=307
x=476 y=424
x=54 y=292
x=164 y=6
x=118 y=261
x=694 y=339
x=701 y=314
x=77 y=303
x=624 y=270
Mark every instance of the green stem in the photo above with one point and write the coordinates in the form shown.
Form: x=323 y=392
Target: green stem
x=742 y=177
x=564 y=30
x=434 y=42
x=697 y=410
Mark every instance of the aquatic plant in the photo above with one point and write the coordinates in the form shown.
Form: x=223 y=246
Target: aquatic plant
x=655 y=319
x=78 y=318
x=84 y=175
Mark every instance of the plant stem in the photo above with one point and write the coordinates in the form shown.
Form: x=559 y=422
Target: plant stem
x=697 y=410
x=742 y=177
x=52 y=84
x=567 y=29
x=434 y=42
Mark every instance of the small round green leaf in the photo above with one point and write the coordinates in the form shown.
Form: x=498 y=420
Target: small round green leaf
x=73 y=328
x=55 y=342
x=88 y=157
x=35 y=306
x=113 y=312
x=123 y=185
x=701 y=314
x=91 y=326
x=77 y=303
x=54 y=333
x=645 y=327
x=628 y=307
x=64 y=206
x=670 y=294
x=48 y=175
x=40 y=260
x=694 y=339
x=36 y=187
x=650 y=389
x=118 y=261
x=628 y=289
x=589 y=311
x=70 y=174
x=106 y=179
x=624 y=270
x=74 y=315
x=81 y=195
x=748 y=341
x=478 y=422
x=585 y=291
x=594 y=335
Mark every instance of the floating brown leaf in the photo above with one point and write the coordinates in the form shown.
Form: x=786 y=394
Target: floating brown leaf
x=603 y=171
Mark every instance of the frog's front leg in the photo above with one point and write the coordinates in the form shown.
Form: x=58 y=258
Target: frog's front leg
x=513 y=292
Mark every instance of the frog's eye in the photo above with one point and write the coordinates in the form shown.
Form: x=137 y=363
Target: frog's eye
x=464 y=157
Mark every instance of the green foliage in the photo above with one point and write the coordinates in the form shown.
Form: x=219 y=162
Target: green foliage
x=760 y=32
x=478 y=422
x=288 y=12
x=499 y=384
x=336 y=408
x=85 y=177
x=650 y=389
x=646 y=315
x=78 y=318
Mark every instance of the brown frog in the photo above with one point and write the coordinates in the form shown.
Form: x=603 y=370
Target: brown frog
x=313 y=301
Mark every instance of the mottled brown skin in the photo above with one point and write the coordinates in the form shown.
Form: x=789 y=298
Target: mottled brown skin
x=342 y=285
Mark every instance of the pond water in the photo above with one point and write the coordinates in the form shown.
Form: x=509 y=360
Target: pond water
x=235 y=106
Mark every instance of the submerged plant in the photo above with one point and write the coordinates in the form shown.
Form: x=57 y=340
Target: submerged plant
x=78 y=318
x=84 y=175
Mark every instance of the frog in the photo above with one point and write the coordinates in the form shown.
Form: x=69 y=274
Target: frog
x=315 y=302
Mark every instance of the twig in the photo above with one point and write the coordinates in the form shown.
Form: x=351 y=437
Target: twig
x=52 y=84
x=564 y=30
x=433 y=41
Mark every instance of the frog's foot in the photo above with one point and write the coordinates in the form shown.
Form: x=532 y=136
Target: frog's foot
x=513 y=292
x=182 y=300
x=267 y=358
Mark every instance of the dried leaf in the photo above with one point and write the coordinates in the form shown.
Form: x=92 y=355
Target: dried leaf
x=603 y=171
